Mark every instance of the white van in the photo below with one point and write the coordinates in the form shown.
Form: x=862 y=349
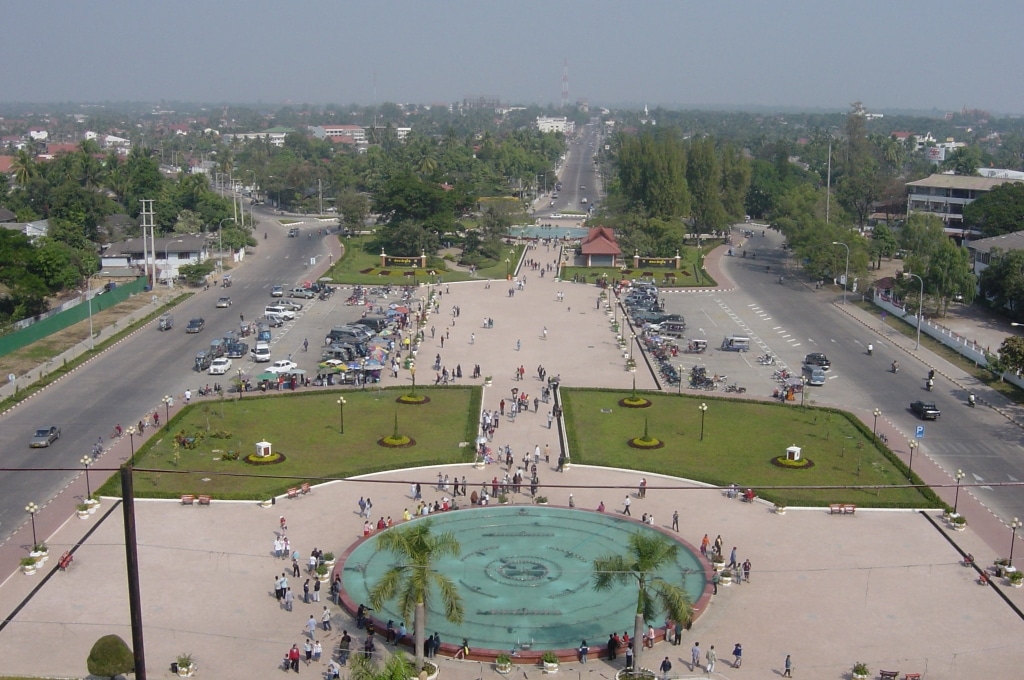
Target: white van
x=736 y=343
x=261 y=352
x=279 y=310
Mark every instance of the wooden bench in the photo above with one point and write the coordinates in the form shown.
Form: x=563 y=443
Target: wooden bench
x=835 y=508
x=305 y=488
x=188 y=499
x=888 y=675
x=65 y=560
x=912 y=676
x=849 y=508
x=293 y=492
x=205 y=500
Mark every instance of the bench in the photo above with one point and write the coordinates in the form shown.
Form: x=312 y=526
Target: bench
x=188 y=499
x=912 y=676
x=205 y=500
x=849 y=508
x=305 y=488
x=293 y=492
x=888 y=675
x=835 y=509
x=65 y=560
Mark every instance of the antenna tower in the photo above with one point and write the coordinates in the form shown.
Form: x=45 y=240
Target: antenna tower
x=565 y=84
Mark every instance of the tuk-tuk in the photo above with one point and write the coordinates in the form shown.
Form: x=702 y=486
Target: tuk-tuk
x=735 y=343
x=166 y=322
x=203 y=360
x=226 y=281
x=696 y=346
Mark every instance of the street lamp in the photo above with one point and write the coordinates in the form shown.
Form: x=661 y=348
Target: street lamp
x=846 y=276
x=1014 y=525
x=803 y=389
x=913 y=446
x=341 y=409
x=86 y=462
x=412 y=372
x=167 y=410
x=362 y=374
x=167 y=257
x=874 y=429
x=131 y=438
x=88 y=289
x=632 y=341
x=220 y=242
x=956 y=499
x=241 y=387
x=703 y=409
x=32 y=509
x=507 y=262
x=920 y=309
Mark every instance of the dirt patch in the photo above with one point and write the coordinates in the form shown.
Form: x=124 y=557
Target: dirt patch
x=29 y=357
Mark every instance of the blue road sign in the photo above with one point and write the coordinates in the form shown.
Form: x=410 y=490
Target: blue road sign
x=919 y=434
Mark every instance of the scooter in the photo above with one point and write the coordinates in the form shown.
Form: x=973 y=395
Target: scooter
x=930 y=384
x=871 y=348
x=895 y=368
x=971 y=399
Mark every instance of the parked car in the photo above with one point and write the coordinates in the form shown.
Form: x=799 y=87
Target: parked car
x=195 y=325
x=818 y=359
x=44 y=436
x=293 y=232
x=304 y=293
x=220 y=366
x=925 y=410
x=282 y=366
x=223 y=302
x=290 y=304
x=277 y=291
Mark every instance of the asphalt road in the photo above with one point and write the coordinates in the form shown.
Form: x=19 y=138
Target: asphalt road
x=791 y=320
x=130 y=380
x=579 y=170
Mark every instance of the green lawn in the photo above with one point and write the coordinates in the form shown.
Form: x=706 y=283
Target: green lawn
x=684 y=277
x=740 y=439
x=305 y=428
x=361 y=267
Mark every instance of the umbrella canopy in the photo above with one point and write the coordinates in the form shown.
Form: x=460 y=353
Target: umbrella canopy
x=481 y=439
x=374 y=365
x=267 y=376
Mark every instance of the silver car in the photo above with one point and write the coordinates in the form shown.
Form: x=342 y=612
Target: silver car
x=44 y=436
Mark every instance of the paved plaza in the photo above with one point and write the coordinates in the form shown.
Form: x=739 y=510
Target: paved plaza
x=884 y=587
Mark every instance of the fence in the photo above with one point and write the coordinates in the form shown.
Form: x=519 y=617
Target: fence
x=69 y=317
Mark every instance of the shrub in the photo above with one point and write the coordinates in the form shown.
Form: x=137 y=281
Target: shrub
x=110 y=657
x=549 y=657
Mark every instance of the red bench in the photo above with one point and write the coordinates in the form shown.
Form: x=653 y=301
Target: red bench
x=188 y=499
x=888 y=675
x=293 y=492
x=65 y=560
x=205 y=500
x=305 y=488
x=912 y=676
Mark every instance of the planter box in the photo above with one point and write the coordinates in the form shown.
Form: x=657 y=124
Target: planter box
x=503 y=668
x=83 y=514
x=550 y=667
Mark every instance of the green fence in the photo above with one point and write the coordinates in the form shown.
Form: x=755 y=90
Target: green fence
x=69 y=317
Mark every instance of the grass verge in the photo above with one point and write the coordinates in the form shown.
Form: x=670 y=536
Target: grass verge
x=740 y=439
x=305 y=427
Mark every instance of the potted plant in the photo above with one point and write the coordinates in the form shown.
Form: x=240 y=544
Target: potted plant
x=860 y=670
x=1015 y=578
x=541 y=500
x=726 y=577
x=503 y=664
x=83 y=510
x=186 y=666
x=780 y=508
x=631 y=365
x=429 y=671
x=267 y=503
x=549 y=661
x=329 y=559
x=323 y=572
x=488 y=381
x=502 y=499
x=40 y=552
x=959 y=522
x=93 y=503
x=29 y=565
x=717 y=561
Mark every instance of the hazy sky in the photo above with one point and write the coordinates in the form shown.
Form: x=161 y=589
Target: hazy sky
x=914 y=54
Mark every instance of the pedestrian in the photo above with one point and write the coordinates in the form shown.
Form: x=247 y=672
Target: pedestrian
x=519 y=346
x=293 y=657
x=472 y=338
x=362 y=506
x=679 y=633
x=718 y=544
x=665 y=667
x=675 y=520
x=746 y=570
x=732 y=558
x=694 y=656
x=311 y=627
x=737 y=654
x=296 y=572
x=704 y=542
x=550 y=418
x=316 y=590
x=307 y=647
x=629 y=656
x=305 y=593
x=289 y=600
x=325 y=618
x=305 y=345
x=344 y=647
x=613 y=646
x=318 y=650
x=583 y=651
x=712 y=657
x=625 y=506
x=788 y=673
x=715 y=579
x=188 y=398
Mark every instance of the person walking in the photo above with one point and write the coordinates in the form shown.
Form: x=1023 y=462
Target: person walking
x=307 y=647
x=704 y=543
x=325 y=619
x=318 y=650
x=737 y=655
x=305 y=593
x=316 y=590
x=712 y=657
x=642 y=491
x=675 y=521
x=625 y=506
x=788 y=672
x=289 y=600
x=694 y=656
x=472 y=338
x=293 y=657
x=665 y=667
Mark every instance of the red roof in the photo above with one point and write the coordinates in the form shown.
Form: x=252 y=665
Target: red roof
x=342 y=139
x=600 y=241
x=54 y=149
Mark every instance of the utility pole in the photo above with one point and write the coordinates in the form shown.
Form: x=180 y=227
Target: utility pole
x=147 y=222
x=828 y=184
x=132 y=563
x=320 y=190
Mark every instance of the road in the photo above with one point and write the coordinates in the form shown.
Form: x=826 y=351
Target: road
x=791 y=320
x=130 y=380
x=578 y=170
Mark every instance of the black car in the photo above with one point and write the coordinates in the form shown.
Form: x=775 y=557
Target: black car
x=925 y=410
x=195 y=325
x=818 y=359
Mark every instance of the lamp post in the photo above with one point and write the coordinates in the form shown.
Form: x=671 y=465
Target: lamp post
x=632 y=341
x=956 y=499
x=241 y=387
x=362 y=373
x=341 y=410
x=131 y=438
x=703 y=409
x=167 y=410
x=32 y=509
x=86 y=462
x=874 y=429
x=220 y=242
x=88 y=289
x=803 y=389
x=167 y=257
x=913 y=446
x=920 y=309
x=846 y=276
x=412 y=372
x=1014 y=525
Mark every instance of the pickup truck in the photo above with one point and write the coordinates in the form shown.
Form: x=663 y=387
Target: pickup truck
x=925 y=410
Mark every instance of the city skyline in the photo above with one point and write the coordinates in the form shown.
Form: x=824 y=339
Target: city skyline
x=791 y=54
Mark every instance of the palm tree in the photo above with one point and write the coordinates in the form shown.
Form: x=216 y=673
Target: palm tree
x=648 y=552
x=24 y=167
x=396 y=667
x=413 y=577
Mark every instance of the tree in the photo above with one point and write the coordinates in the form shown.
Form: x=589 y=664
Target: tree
x=704 y=179
x=413 y=578
x=353 y=207
x=110 y=657
x=964 y=160
x=648 y=553
x=1000 y=211
x=396 y=667
x=1011 y=354
x=948 y=274
x=24 y=167
x=883 y=243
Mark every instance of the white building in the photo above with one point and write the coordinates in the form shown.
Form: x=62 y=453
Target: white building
x=274 y=135
x=355 y=132
x=946 y=196
x=171 y=252
x=561 y=124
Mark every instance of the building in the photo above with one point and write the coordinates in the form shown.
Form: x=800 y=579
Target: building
x=599 y=248
x=560 y=124
x=275 y=135
x=171 y=252
x=946 y=195
x=31 y=229
x=985 y=249
x=333 y=132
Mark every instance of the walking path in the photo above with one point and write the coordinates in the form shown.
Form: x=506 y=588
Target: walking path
x=829 y=595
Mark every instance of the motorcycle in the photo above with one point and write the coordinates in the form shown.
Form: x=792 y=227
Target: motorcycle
x=735 y=388
x=930 y=384
x=971 y=399
x=766 y=360
x=871 y=348
x=895 y=368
